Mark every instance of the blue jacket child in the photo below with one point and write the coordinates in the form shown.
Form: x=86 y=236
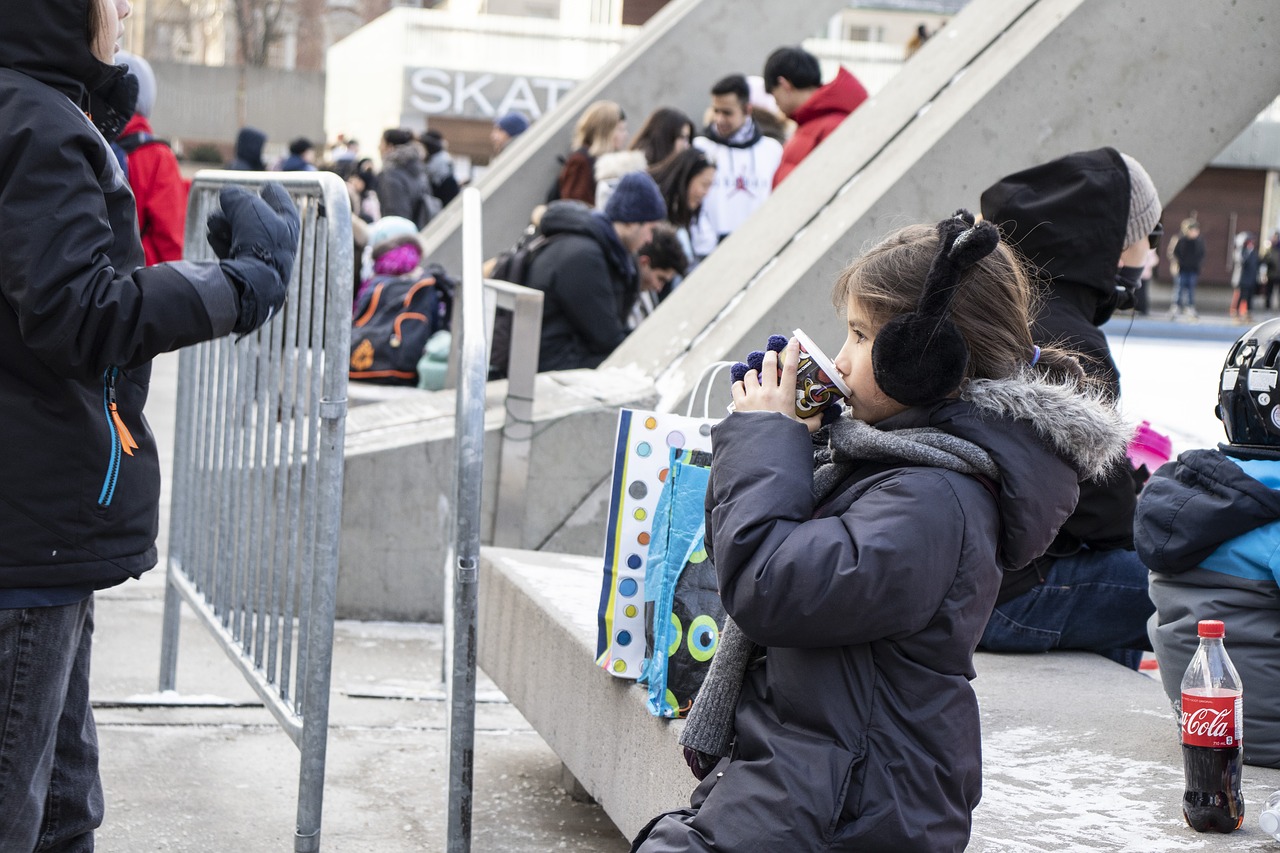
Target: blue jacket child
x=1208 y=527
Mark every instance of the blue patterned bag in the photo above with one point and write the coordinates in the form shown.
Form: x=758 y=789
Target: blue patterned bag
x=683 y=613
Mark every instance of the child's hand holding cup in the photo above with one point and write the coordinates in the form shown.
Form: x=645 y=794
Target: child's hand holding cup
x=818 y=383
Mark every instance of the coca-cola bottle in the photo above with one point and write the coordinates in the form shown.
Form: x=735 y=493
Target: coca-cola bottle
x=1212 y=728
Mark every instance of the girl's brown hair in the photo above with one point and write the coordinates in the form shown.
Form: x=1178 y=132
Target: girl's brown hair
x=102 y=39
x=595 y=128
x=994 y=304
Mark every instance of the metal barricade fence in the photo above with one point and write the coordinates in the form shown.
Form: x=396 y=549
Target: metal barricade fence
x=525 y=305
x=257 y=480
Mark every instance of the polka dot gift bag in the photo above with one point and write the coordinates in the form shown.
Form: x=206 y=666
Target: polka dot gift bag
x=654 y=528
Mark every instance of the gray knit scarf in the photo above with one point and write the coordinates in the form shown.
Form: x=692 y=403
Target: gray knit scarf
x=709 y=727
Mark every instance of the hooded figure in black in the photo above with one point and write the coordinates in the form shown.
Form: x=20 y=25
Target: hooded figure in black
x=1084 y=221
x=248 y=152
x=80 y=320
x=587 y=272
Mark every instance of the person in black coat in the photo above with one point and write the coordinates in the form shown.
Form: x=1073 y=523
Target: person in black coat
x=863 y=574
x=587 y=272
x=80 y=320
x=248 y=151
x=1085 y=220
x=404 y=188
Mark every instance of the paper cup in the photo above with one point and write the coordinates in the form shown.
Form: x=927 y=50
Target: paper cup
x=818 y=384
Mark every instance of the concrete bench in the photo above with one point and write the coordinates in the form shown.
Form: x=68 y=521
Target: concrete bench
x=1079 y=753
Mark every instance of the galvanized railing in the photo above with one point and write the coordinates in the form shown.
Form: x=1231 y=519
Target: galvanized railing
x=257 y=480
x=525 y=305
x=463 y=579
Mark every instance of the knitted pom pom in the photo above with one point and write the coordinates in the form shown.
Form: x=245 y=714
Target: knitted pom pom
x=737 y=372
x=755 y=360
x=777 y=343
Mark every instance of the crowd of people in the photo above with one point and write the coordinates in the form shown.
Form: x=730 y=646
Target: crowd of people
x=975 y=493
x=697 y=181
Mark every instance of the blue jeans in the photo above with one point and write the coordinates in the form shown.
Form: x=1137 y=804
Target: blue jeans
x=1186 y=289
x=1093 y=601
x=49 y=781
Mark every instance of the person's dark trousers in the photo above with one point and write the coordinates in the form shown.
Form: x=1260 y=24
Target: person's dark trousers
x=1093 y=601
x=1142 y=297
x=49 y=784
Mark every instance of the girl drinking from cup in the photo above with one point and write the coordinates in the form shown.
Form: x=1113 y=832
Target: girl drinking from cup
x=838 y=714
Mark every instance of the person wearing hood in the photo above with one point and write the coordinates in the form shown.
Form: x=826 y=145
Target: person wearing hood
x=793 y=77
x=1207 y=527
x=403 y=187
x=587 y=272
x=1086 y=220
x=248 y=151
x=159 y=190
x=80 y=320
x=439 y=166
x=745 y=161
x=837 y=714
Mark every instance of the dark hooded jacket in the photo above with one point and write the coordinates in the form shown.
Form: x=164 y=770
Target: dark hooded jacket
x=80 y=319
x=1068 y=218
x=248 y=153
x=860 y=732
x=403 y=185
x=1208 y=527
x=589 y=283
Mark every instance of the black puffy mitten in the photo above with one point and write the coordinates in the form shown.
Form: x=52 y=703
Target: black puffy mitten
x=257 y=238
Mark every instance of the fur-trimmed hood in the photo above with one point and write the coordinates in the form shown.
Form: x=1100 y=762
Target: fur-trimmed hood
x=1043 y=437
x=1080 y=427
x=615 y=164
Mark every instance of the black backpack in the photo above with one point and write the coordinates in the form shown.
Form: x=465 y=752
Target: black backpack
x=512 y=265
x=393 y=321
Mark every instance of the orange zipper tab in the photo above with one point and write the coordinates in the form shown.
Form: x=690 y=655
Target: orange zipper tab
x=127 y=444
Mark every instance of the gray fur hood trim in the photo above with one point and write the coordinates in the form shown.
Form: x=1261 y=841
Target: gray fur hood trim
x=1082 y=428
x=409 y=154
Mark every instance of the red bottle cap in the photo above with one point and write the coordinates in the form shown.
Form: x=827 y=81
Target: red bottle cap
x=1211 y=628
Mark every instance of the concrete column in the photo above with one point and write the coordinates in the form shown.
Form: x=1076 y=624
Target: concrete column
x=679 y=54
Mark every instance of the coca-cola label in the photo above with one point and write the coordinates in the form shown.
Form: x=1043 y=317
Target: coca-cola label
x=1212 y=720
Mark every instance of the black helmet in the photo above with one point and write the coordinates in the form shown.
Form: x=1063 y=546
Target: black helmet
x=1248 y=399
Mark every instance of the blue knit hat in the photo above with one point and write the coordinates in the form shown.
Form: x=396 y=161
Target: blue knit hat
x=513 y=124
x=636 y=199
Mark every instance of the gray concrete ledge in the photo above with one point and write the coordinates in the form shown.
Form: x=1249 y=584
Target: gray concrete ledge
x=1079 y=753
x=399 y=464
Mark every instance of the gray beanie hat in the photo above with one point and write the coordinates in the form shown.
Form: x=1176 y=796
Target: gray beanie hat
x=1144 y=203
x=636 y=199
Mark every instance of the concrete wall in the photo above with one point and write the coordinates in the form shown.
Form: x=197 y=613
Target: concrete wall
x=1006 y=84
x=677 y=56
x=199 y=103
x=397 y=523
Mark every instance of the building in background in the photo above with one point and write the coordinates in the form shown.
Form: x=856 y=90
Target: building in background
x=454 y=65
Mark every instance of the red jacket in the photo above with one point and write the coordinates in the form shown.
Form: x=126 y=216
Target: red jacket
x=818 y=116
x=160 y=191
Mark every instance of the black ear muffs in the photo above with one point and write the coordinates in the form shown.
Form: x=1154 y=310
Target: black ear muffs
x=921 y=357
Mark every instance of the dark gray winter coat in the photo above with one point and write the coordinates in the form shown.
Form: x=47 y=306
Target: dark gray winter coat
x=860 y=730
x=589 y=284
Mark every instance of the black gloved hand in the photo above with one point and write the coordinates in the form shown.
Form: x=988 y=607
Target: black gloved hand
x=257 y=238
